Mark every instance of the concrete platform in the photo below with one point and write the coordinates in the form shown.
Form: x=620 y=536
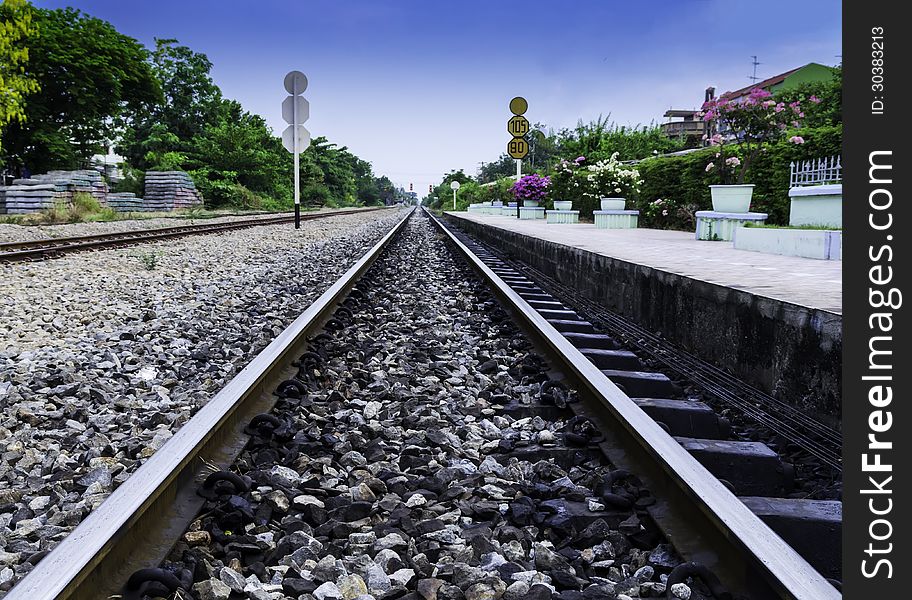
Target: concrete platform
x=796 y=280
x=773 y=321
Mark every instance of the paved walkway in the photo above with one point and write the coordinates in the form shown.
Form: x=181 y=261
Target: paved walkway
x=803 y=281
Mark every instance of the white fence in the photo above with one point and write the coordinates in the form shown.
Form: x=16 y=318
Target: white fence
x=816 y=171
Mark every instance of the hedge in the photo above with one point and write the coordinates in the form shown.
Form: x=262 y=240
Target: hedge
x=684 y=182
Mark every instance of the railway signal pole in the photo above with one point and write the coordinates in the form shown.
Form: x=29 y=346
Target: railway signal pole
x=518 y=127
x=295 y=138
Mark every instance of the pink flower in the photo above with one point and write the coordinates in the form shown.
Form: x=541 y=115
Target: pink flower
x=579 y=159
x=733 y=161
x=710 y=167
x=814 y=99
x=709 y=116
x=780 y=107
x=665 y=213
x=796 y=139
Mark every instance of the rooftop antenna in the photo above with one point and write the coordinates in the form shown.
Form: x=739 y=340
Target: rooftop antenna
x=754 y=77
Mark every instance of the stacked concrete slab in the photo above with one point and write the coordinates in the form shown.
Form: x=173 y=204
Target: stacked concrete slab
x=170 y=190
x=31 y=195
x=125 y=202
x=55 y=188
x=165 y=191
x=88 y=181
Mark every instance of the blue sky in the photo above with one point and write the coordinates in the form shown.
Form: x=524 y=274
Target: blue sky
x=421 y=87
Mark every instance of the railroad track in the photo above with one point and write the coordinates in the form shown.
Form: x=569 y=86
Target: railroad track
x=119 y=547
x=53 y=247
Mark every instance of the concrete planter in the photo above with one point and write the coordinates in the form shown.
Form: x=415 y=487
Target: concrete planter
x=732 y=198
x=613 y=203
x=531 y=203
x=563 y=205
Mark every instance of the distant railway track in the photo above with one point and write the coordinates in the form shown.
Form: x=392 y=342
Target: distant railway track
x=54 y=247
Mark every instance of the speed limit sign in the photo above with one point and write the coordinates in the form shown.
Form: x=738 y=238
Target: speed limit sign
x=518 y=126
x=517 y=148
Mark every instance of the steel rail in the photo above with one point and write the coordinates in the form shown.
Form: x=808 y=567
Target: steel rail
x=138 y=524
x=699 y=515
x=50 y=247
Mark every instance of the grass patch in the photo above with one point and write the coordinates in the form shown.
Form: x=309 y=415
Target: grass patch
x=149 y=259
x=84 y=208
x=90 y=211
x=812 y=227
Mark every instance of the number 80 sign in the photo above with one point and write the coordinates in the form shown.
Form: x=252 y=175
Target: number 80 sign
x=517 y=147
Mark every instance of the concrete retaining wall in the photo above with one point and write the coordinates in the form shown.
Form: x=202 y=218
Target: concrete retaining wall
x=791 y=352
x=808 y=243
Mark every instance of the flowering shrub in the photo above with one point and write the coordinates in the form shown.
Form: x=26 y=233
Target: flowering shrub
x=531 y=187
x=610 y=178
x=565 y=184
x=748 y=124
x=664 y=213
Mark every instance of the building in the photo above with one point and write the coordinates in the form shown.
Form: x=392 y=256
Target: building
x=687 y=122
x=809 y=73
x=682 y=122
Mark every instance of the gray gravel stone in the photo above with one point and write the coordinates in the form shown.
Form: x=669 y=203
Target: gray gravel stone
x=212 y=589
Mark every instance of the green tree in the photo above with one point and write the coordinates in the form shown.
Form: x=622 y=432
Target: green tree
x=504 y=166
x=90 y=75
x=239 y=149
x=601 y=138
x=16 y=28
x=387 y=190
x=191 y=103
x=825 y=113
x=336 y=164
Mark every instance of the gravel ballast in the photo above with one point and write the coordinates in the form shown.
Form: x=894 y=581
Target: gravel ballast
x=424 y=452
x=104 y=355
x=10 y=232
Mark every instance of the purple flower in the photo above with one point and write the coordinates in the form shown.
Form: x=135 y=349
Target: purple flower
x=531 y=187
x=796 y=139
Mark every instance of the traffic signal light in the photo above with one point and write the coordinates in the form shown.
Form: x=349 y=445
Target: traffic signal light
x=430 y=189
x=411 y=187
